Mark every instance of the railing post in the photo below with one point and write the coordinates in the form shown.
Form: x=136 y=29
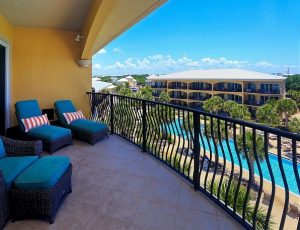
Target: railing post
x=144 y=113
x=196 y=150
x=111 y=113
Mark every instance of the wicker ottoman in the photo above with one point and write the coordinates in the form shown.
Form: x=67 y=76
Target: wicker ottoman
x=38 y=198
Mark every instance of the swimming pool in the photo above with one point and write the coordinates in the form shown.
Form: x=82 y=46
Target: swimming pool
x=287 y=164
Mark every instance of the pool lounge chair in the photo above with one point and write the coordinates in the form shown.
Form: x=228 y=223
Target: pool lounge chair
x=53 y=137
x=87 y=130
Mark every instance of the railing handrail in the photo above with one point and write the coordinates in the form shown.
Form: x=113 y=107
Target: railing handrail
x=249 y=124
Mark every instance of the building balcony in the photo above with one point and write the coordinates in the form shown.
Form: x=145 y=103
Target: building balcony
x=254 y=103
x=197 y=98
x=155 y=94
x=227 y=89
x=199 y=88
x=261 y=91
x=177 y=87
x=178 y=96
x=159 y=86
x=268 y=91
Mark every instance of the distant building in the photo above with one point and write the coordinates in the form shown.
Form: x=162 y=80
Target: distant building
x=192 y=88
x=99 y=86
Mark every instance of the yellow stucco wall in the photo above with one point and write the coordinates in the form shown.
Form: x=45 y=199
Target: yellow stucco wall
x=45 y=68
x=6 y=30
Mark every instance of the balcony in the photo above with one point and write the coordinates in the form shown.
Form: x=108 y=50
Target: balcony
x=177 y=85
x=227 y=89
x=199 y=98
x=155 y=94
x=178 y=96
x=116 y=186
x=223 y=165
x=197 y=86
x=261 y=91
x=158 y=86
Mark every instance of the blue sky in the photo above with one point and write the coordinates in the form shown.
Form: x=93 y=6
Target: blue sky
x=261 y=35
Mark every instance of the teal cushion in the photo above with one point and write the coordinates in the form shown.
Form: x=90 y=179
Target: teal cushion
x=2 y=150
x=26 y=109
x=87 y=126
x=64 y=106
x=44 y=173
x=11 y=167
x=49 y=132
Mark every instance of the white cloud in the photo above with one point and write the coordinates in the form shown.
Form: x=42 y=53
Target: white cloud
x=117 y=50
x=223 y=62
x=97 y=67
x=160 y=64
x=264 y=64
x=102 y=51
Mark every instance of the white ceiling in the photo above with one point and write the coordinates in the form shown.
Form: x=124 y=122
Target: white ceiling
x=57 y=14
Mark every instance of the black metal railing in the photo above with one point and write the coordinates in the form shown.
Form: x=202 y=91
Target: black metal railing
x=249 y=170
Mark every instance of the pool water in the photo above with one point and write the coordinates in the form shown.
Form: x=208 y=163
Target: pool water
x=175 y=129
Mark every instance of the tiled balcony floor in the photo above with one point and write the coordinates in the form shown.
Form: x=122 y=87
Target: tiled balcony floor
x=116 y=186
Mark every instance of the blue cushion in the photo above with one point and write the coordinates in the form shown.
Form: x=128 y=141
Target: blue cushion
x=64 y=106
x=44 y=173
x=12 y=167
x=49 y=132
x=87 y=126
x=2 y=150
x=26 y=109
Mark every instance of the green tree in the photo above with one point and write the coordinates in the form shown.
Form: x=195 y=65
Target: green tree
x=236 y=111
x=293 y=82
x=240 y=201
x=164 y=97
x=214 y=104
x=295 y=95
x=124 y=90
x=248 y=151
x=268 y=114
x=145 y=93
x=287 y=108
x=294 y=125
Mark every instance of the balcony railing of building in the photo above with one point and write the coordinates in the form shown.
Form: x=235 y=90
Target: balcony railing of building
x=262 y=91
x=199 y=97
x=254 y=103
x=159 y=86
x=227 y=87
x=249 y=170
x=178 y=96
x=177 y=85
x=195 y=86
x=156 y=94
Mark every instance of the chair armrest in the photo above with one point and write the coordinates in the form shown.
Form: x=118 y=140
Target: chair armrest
x=14 y=148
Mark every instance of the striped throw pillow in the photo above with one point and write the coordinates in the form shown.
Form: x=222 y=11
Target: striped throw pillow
x=70 y=117
x=33 y=122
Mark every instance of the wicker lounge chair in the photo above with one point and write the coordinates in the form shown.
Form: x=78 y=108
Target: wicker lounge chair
x=16 y=157
x=83 y=129
x=53 y=137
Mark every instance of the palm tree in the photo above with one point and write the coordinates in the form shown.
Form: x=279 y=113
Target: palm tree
x=164 y=97
x=241 y=199
x=214 y=104
x=268 y=114
x=236 y=110
x=287 y=107
x=294 y=125
x=249 y=151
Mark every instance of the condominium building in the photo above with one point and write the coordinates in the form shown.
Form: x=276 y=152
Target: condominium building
x=192 y=88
